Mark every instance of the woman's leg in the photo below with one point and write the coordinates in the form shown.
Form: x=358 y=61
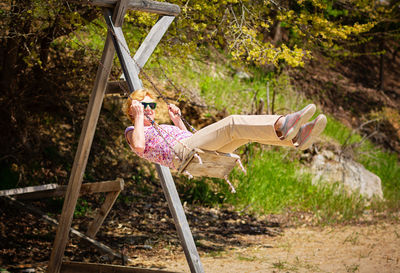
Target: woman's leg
x=229 y=133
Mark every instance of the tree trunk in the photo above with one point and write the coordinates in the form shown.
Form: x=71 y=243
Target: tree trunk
x=381 y=85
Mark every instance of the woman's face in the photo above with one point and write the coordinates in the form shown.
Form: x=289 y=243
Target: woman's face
x=148 y=111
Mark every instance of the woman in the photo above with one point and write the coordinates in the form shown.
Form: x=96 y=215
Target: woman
x=167 y=143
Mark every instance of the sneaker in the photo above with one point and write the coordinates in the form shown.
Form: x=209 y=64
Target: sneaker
x=294 y=121
x=309 y=131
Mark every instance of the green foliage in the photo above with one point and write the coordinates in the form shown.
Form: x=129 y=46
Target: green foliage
x=82 y=208
x=274 y=184
x=340 y=132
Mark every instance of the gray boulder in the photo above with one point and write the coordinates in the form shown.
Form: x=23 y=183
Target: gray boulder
x=328 y=167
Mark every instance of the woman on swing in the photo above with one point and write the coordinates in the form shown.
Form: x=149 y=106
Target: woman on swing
x=164 y=143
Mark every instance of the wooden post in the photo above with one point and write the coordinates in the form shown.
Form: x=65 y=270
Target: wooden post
x=181 y=224
x=167 y=181
x=83 y=151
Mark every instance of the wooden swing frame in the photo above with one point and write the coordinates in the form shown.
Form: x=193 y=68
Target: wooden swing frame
x=114 y=11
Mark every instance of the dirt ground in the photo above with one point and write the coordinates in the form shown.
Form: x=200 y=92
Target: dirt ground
x=227 y=241
x=371 y=248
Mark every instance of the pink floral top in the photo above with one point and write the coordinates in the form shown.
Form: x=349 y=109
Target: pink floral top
x=156 y=150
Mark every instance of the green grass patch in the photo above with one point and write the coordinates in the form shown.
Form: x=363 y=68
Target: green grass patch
x=274 y=184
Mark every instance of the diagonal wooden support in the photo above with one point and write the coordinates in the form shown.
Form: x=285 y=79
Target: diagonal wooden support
x=85 y=142
x=152 y=39
x=131 y=70
x=167 y=181
x=94 y=227
x=181 y=224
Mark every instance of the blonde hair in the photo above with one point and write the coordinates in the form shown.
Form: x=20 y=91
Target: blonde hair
x=139 y=95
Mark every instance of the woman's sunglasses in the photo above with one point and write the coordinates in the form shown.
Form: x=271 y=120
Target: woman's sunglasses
x=152 y=105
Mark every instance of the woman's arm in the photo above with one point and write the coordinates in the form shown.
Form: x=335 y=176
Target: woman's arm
x=136 y=138
x=175 y=115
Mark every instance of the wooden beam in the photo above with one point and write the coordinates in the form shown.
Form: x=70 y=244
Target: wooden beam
x=98 y=220
x=152 y=39
x=22 y=191
x=131 y=70
x=82 y=153
x=52 y=221
x=181 y=224
x=60 y=190
x=143 y=5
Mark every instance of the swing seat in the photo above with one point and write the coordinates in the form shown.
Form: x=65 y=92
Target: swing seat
x=212 y=164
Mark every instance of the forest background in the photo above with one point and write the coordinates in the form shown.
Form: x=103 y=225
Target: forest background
x=218 y=58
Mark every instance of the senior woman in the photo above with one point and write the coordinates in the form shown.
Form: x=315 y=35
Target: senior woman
x=164 y=143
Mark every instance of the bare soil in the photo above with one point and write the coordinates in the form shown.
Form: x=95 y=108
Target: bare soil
x=226 y=240
x=372 y=248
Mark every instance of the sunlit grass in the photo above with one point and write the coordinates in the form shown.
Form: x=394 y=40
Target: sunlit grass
x=274 y=183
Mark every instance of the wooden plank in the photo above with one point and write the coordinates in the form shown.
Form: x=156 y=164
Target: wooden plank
x=82 y=154
x=213 y=164
x=143 y=5
x=181 y=224
x=130 y=69
x=86 y=188
x=105 y=186
x=152 y=39
x=52 y=221
x=21 y=191
x=101 y=215
x=76 y=267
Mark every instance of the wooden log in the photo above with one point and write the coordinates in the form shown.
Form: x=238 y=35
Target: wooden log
x=181 y=224
x=143 y=5
x=52 y=221
x=98 y=220
x=22 y=191
x=82 y=154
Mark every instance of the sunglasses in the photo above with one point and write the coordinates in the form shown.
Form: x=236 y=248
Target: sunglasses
x=152 y=105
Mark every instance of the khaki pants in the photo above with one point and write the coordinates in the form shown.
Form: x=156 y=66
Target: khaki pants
x=232 y=132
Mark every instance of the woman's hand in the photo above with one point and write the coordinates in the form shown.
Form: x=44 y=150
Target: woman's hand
x=175 y=115
x=137 y=108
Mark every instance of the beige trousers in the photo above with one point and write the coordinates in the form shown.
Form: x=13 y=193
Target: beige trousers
x=232 y=132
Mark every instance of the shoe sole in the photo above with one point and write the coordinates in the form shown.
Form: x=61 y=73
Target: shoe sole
x=318 y=128
x=308 y=112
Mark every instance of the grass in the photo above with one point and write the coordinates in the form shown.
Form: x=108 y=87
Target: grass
x=273 y=183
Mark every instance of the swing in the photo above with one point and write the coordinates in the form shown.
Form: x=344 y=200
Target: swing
x=202 y=163
x=198 y=163
x=209 y=164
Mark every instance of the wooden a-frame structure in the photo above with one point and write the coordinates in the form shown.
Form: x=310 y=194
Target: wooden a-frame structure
x=114 y=11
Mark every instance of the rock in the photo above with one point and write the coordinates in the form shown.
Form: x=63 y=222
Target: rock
x=243 y=75
x=328 y=167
